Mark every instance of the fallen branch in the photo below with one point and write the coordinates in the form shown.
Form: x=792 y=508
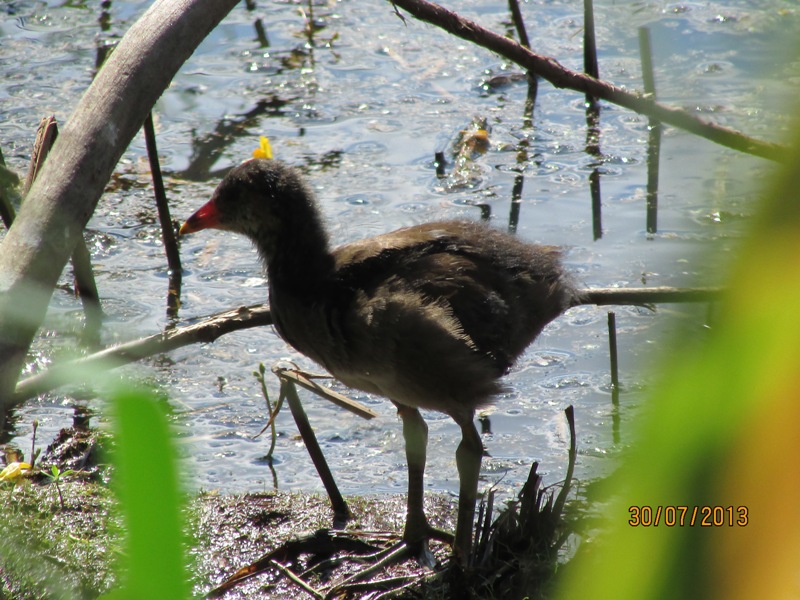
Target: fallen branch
x=320 y=542
x=257 y=315
x=562 y=77
x=205 y=331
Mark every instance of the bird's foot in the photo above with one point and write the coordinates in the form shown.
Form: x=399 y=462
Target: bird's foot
x=417 y=548
x=322 y=545
x=417 y=542
x=331 y=551
x=384 y=559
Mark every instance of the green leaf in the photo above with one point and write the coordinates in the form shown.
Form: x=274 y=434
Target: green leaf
x=150 y=499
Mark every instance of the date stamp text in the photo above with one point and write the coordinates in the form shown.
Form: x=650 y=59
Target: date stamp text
x=688 y=516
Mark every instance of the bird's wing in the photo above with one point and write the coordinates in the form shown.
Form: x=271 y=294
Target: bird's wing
x=497 y=291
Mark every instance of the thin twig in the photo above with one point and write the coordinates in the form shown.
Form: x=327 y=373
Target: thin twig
x=167 y=229
x=590 y=49
x=32 y=461
x=321 y=541
x=612 y=348
x=533 y=84
x=397 y=554
x=614 y=359
x=645 y=296
x=646 y=56
x=341 y=512
x=558 y=507
x=305 y=380
x=85 y=284
x=519 y=23
x=271 y=411
x=288 y=572
x=654 y=127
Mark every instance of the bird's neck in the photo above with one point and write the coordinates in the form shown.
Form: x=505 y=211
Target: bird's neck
x=299 y=259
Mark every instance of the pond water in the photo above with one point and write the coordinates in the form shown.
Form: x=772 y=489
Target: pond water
x=362 y=101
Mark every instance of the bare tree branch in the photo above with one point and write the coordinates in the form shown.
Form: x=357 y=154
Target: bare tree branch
x=246 y=317
x=205 y=331
x=562 y=77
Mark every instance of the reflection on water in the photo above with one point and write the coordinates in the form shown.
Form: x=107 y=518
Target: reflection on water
x=362 y=103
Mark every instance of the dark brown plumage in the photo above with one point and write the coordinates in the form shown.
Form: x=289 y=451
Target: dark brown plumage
x=429 y=316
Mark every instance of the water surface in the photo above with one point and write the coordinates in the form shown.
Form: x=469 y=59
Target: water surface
x=362 y=103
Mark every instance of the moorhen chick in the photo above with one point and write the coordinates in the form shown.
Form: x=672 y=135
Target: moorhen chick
x=429 y=316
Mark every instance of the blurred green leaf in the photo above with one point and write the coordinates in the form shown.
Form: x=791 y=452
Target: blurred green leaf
x=720 y=430
x=147 y=480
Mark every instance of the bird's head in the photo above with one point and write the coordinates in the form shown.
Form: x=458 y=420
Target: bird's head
x=260 y=198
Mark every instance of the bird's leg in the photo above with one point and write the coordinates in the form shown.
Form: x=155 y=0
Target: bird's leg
x=415 y=432
x=417 y=530
x=468 y=459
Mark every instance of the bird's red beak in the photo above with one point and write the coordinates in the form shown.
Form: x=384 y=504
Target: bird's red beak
x=206 y=217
